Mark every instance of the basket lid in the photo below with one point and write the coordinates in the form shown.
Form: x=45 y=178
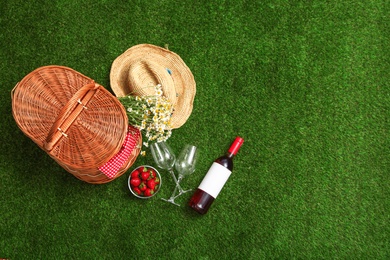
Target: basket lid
x=75 y=120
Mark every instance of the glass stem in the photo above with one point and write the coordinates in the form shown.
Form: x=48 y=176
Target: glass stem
x=177 y=187
x=173 y=175
x=177 y=181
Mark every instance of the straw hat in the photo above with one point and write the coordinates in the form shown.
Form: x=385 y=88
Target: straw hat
x=145 y=65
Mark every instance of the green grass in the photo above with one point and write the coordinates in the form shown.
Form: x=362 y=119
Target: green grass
x=305 y=83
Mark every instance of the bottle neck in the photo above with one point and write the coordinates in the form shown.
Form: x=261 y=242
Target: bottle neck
x=229 y=155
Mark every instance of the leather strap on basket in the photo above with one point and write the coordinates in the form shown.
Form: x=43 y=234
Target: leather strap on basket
x=69 y=113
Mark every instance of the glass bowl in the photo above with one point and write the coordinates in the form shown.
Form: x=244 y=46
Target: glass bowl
x=148 y=183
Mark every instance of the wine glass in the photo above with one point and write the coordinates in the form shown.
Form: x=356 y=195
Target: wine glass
x=165 y=159
x=185 y=165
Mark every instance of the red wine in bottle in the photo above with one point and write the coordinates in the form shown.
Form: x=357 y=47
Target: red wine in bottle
x=215 y=179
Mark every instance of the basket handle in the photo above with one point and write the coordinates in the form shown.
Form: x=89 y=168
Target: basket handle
x=69 y=113
x=13 y=91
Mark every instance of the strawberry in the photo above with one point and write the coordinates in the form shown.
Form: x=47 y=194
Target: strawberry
x=135 y=182
x=148 y=192
x=151 y=184
x=152 y=174
x=143 y=186
x=157 y=180
x=145 y=175
x=137 y=190
x=135 y=174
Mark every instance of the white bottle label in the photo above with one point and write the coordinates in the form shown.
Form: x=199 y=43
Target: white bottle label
x=215 y=179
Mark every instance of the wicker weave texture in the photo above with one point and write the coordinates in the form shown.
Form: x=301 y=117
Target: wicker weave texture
x=75 y=120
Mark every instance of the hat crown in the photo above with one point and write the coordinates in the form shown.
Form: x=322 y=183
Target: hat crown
x=144 y=74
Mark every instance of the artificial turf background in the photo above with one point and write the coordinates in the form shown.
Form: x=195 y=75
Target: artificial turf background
x=305 y=83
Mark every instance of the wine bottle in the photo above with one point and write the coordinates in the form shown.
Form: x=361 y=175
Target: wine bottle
x=215 y=179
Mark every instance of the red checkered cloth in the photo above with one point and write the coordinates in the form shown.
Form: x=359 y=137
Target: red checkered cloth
x=111 y=168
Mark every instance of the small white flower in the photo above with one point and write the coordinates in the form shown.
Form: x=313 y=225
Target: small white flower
x=149 y=101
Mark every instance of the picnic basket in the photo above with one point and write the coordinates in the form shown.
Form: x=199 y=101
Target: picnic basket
x=76 y=121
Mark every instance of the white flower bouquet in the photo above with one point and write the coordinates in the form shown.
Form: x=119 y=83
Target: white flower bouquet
x=150 y=114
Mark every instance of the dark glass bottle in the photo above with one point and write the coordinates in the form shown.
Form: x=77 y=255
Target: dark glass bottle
x=215 y=179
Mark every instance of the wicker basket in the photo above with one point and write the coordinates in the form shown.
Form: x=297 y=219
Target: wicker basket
x=75 y=120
